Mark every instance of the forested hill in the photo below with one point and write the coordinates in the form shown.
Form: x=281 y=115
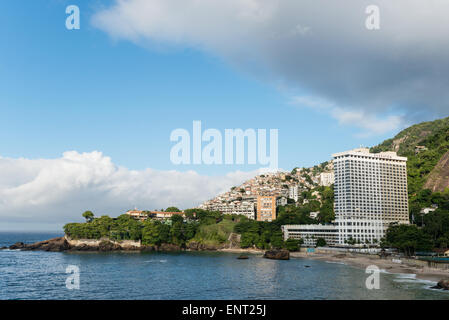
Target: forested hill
x=426 y=145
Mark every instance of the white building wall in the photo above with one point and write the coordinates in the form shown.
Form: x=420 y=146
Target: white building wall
x=293 y=193
x=370 y=194
x=310 y=233
x=327 y=178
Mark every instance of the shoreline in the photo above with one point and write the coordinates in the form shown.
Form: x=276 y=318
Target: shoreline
x=362 y=261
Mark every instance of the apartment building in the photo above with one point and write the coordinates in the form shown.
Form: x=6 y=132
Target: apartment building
x=293 y=193
x=370 y=194
x=266 y=208
x=327 y=178
x=281 y=201
x=310 y=233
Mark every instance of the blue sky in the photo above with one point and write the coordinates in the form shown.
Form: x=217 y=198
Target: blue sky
x=81 y=90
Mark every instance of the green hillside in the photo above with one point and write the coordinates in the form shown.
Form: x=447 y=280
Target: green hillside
x=425 y=145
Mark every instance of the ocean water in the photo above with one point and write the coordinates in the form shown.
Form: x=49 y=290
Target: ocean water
x=203 y=275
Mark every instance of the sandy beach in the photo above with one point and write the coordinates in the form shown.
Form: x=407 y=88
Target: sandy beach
x=387 y=264
x=361 y=261
x=243 y=251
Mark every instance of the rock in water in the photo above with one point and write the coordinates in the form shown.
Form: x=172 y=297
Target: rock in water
x=17 y=245
x=442 y=284
x=242 y=257
x=55 y=245
x=277 y=254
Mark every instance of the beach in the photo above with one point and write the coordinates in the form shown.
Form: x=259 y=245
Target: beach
x=390 y=265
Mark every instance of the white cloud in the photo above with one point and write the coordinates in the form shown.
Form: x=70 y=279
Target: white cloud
x=370 y=123
x=56 y=191
x=319 y=47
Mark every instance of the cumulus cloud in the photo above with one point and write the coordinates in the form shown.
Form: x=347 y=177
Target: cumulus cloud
x=55 y=191
x=316 y=46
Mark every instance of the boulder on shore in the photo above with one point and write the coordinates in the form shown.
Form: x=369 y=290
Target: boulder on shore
x=167 y=247
x=442 y=284
x=108 y=246
x=277 y=254
x=197 y=246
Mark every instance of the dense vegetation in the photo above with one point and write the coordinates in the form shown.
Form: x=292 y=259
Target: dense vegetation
x=153 y=232
x=433 y=232
x=201 y=226
x=325 y=206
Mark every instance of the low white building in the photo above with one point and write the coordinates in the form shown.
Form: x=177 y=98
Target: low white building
x=137 y=214
x=310 y=233
x=314 y=215
x=281 y=201
x=427 y=210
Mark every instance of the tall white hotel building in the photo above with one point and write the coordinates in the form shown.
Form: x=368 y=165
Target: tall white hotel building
x=370 y=194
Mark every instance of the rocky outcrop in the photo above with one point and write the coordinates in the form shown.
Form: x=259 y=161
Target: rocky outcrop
x=197 y=246
x=106 y=245
x=442 y=284
x=234 y=241
x=67 y=244
x=53 y=245
x=167 y=247
x=438 y=179
x=277 y=254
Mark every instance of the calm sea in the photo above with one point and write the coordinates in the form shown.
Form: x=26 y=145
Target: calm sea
x=42 y=275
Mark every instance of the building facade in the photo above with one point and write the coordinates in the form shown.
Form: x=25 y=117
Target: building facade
x=370 y=194
x=293 y=193
x=310 y=233
x=281 y=201
x=157 y=215
x=163 y=215
x=327 y=178
x=244 y=207
x=138 y=214
x=266 y=208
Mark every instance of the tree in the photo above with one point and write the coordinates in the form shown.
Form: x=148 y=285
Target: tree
x=88 y=215
x=151 y=233
x=172 y=209
x=277 y=240
x=408 y=238
x=320 y=242
x=176 y=218
x=293 y=244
